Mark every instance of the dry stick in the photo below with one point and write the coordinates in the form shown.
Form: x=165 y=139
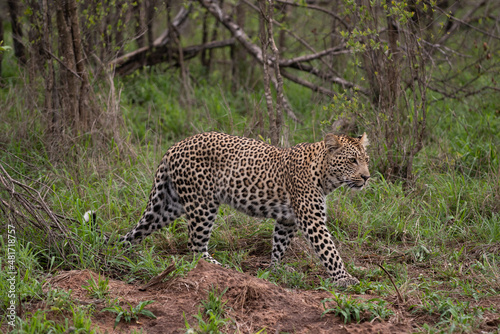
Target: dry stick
x=157 y=56
x=36 y=207
x=35 y=212
x=315 y=7
x=159 y=278
x=38 y=221
x=393 y=284
x=337 y=50
x=63 y=64
x=310 y=85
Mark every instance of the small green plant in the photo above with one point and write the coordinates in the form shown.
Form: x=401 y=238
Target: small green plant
x=349 y=309
x=4 y=48
x=99 y=289
x=368 y=287
x=214 y=304
x=211 y=325
x=38 y=322
x=210 y=320
x=288 y=276
x=455 y=315
x=132 y=313
x=59 y=299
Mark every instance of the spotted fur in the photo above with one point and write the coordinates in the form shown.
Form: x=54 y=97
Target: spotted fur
x=290 y=185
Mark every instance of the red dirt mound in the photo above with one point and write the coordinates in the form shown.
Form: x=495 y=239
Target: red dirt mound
x=252 y=303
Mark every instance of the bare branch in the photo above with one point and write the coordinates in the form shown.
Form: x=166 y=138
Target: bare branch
x=238 y=33
x=330 y=77
x=161 y=54
x=337 y=50
x=318 y=8
x=463 y=20
x=310 y=85
x=162 y=40
x=327 y=77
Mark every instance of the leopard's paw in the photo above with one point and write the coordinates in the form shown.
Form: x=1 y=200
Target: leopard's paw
x=346 y=281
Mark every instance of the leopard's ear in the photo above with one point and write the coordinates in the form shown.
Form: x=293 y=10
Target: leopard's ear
x=332 y=142
x=363 y=140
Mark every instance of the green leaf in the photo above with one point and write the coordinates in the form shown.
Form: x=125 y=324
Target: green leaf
x=118 y=318
x=148 y=313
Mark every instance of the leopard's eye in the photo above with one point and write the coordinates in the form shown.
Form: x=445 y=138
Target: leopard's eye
x=352 y=160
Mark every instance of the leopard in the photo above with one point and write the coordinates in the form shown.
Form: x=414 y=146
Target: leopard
x=289 y=185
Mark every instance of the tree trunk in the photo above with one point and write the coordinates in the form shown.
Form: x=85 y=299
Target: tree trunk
x=67 y=75
x=17 y=33
x=267 y=40
x=1 y=53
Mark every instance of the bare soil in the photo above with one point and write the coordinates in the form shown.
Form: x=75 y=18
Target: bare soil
x=252 y=303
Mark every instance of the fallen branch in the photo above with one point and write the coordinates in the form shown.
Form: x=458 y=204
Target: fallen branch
x=162 y=40
x=168 y=54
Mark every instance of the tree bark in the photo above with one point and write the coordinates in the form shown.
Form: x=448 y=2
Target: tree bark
x=17 y=33
x=84 y=108
x=1 y=53
x=68 y=76
x=278 y=119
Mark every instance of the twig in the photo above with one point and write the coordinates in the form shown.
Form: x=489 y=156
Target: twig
x=456 y=19
x=331 y=51
x=252 y=48
x=400 y=298
x=315 y=7
x=310 y=85
x=158 y=279
x=63 y=64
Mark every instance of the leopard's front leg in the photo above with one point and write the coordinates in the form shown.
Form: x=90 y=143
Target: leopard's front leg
x=321 y=241
x=311 y=217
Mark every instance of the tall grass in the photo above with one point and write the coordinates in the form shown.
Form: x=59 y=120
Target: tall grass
x=446 y=225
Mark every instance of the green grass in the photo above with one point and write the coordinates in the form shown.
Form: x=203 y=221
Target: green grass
x=352 y=310
x=211 y=314
x=439 y=238
x=131 y=312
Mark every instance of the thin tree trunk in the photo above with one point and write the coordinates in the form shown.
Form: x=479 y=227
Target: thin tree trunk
x=267 y=40
x=84 y=115
x=150 y=12
x=51 y=112
x=280 y=98
x=140 y=16
x=17 y=33
x=267 y=76
x=69 y=81
x=1 y=53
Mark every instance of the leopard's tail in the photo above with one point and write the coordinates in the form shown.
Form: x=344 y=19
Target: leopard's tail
x=91 y=217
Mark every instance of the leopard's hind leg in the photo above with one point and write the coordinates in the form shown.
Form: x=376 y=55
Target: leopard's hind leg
x=163 y=208
x=200 y=215
x=284 y=231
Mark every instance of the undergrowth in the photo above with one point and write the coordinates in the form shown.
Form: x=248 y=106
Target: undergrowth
x=438 y=238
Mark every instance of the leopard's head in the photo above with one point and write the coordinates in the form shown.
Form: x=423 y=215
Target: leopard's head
x=346 y=162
